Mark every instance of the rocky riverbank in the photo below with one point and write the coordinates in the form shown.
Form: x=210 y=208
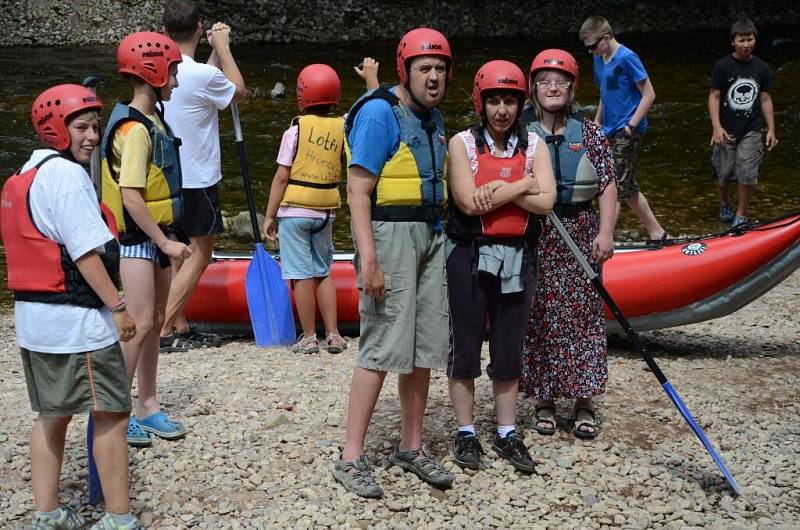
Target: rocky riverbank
x=266 y=424
x=57 y=22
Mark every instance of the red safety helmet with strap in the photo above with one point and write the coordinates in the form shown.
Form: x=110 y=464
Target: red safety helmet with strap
x=419 y=42
x=318 y=84
x=53 y=107
x=498 y=75
x=555 y=59
x=148 y=55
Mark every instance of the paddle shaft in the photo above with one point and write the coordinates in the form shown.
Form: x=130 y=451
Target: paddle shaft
x=248 y=187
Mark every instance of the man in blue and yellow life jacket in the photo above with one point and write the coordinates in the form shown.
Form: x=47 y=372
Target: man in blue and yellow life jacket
x=396 y=190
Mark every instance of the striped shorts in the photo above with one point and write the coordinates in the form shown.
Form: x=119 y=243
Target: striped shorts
x=146 y=250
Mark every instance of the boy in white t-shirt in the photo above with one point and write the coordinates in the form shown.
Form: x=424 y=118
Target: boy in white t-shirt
x=203 y=89
x=63 y=261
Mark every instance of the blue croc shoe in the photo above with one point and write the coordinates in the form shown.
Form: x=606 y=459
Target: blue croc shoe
x=163 y=427
x=138 y=437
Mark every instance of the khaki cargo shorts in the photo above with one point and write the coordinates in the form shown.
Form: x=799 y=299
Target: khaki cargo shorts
x=66 y=384
x=409 y=328
x=738 y=159
x=625 y=149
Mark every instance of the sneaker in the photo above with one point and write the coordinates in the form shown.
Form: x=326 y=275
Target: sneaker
x=136 y=436
x=174 y=342
x=108 y=522
x=467 y=451
x=68 y=519
x=741 y=222
x=420 y=462
x=306 y=345
x=200 y=340
x=334 y=343
x=356 y=477
x=512 y=449
x=726 y=213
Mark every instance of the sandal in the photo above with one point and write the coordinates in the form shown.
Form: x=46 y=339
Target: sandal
x=581 y=429
x=550 y=428
x=136 y=436
x=163 y=427
x=334 y=343
x=306 y=345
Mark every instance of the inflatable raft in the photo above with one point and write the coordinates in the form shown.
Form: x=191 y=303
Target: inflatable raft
x=680 y=282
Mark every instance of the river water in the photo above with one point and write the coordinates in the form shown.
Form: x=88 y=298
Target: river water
x=673 y=167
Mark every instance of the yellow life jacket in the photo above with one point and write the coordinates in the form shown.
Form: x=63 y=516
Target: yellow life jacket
x=162 y=192
x=317 y=164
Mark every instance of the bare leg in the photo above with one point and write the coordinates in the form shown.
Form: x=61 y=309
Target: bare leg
x=505 y=401
x=47 y=453
x=413 y=391
x=641 y=208
x=184 y=282
x=364 y=392
x=326 y=298
x=724 y=193
x=138 y=281
x=111 y=455
x=462 y=396
x=147 y=404
x=306 y=305
x=745 y=191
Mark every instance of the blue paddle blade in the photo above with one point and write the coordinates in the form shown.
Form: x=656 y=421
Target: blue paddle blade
x=676 y=399
x=268 y=301
x=95 y=489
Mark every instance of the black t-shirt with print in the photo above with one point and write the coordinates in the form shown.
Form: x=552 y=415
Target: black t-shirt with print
x=740 y=84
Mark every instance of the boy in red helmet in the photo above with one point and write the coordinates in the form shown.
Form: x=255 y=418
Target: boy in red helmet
x=304 y=196
x=141 y=182
x=63 y=261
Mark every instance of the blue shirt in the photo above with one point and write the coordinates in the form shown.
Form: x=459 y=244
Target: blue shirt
x=375 y=136
x=618 y=89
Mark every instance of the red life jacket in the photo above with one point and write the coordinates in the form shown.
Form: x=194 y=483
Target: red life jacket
x=509 y=221
x=40 y=269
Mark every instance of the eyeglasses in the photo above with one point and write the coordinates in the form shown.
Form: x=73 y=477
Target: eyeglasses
x=592 y=47
x=561 y=85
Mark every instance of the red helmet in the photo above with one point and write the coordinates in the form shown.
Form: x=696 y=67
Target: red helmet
x=148 y=55
x=318 y=84
x=53 y=107
x=494 y=75
x=555 y=60
x=418 y=42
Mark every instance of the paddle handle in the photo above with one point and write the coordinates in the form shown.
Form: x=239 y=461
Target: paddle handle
x=248 y=187
x=592 y=275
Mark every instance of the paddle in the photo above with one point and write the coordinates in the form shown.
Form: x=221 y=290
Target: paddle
x=639 y=346
x=267 y=293
x=95 y=488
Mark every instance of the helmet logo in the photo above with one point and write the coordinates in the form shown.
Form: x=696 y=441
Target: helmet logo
x=554 y=61
x=153 y=53
x=89 y=100
x=431 y=46
x=507 y=81
x=44 y=118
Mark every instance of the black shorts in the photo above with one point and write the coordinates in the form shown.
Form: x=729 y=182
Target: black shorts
x=201 y=212
x=473 y=297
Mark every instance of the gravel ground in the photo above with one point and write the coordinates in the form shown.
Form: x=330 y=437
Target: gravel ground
x=265 y=426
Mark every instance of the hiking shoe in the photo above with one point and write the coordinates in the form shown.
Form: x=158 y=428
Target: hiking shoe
x=741 y=222
x=726 y=213
x=512 y=449
x=334 y=343
x=420 y=462
x=68 y=519
x=356 y=477
x=174 y=342
x=467 y=451
x=109 y=522
x=306 y=345
x=200 y=340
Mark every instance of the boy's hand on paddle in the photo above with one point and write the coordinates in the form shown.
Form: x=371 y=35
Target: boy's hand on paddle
x=373 y=280
x=271 y=229
x=126 y=327
x=176 y=249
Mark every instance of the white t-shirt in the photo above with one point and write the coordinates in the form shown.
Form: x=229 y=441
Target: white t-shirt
x=64 y=208
x=191 y=112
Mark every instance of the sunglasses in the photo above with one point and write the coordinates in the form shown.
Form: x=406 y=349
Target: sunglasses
x=592 y=47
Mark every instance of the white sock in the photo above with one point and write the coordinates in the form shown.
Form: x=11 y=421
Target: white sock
x=503 y=430
x=467 y=429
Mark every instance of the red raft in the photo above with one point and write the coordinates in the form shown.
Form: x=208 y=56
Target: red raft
x=682 y=282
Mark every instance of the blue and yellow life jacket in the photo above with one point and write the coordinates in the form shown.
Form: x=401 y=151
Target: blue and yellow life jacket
x=412 y=185
x=162 y=192
x=317 y=164
x=575 y=175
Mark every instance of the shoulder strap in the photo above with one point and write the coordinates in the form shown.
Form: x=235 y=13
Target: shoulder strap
x=480 y=141
x=48 y=158
x=378 y=93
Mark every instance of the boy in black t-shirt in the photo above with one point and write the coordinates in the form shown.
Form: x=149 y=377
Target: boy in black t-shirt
x=740 y=107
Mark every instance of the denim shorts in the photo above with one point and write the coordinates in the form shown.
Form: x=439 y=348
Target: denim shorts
x=306 y=247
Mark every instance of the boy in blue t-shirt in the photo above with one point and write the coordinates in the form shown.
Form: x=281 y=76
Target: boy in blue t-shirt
x=626 y=95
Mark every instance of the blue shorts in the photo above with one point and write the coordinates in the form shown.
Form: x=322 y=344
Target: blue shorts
x=305 y=254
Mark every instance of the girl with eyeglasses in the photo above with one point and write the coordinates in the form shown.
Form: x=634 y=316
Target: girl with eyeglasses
x=564 y=350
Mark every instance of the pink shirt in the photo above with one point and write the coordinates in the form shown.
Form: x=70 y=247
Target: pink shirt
x=285 y=158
